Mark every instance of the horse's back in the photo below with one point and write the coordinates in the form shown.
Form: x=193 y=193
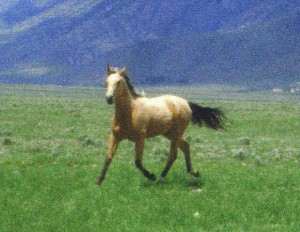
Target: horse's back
x=166 y=105
x=159 y=114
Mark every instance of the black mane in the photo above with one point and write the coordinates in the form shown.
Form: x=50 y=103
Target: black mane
x=131 y=88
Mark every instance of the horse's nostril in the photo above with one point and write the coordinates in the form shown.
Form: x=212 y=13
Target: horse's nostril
x=110 y=99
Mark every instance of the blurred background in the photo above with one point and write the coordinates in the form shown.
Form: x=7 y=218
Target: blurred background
x=250 y=43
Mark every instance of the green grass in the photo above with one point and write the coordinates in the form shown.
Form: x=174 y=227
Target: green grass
x=53 y=143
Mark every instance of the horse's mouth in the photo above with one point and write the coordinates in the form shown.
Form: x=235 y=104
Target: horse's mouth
x=110 y=100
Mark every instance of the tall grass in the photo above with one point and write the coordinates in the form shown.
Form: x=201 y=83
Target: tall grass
x=53 y=143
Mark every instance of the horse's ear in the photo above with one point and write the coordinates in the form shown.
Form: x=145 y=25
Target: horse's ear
x=109 y=69
x=123 y=71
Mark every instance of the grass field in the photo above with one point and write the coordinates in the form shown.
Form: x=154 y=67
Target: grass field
x=53 y=143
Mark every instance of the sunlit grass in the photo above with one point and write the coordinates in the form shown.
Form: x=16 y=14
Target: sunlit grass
x=52 y=146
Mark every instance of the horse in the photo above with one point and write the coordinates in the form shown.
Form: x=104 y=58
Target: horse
x=137 y=118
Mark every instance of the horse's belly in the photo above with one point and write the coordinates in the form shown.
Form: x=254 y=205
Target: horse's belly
x=154 y=131
x=159 y=126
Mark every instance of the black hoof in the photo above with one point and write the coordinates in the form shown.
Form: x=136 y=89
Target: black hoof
x=152 y=177
x=195 y=174
x=98 y=182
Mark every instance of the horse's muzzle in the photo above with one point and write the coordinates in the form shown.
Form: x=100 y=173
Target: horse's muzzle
x=110 y=99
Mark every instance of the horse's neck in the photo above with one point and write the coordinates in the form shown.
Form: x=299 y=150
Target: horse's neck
x=123 y=108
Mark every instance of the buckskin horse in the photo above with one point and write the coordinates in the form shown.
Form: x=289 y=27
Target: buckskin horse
x=137 y=118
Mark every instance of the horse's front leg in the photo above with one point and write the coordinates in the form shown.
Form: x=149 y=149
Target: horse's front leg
x=139 y=147
x=113 y=145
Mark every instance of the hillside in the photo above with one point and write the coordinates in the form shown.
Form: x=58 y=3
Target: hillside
x=69 y=42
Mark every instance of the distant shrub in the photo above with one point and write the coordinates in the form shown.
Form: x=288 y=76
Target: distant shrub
x=189 y=138
x=86 y=141
x=258 y=161
x=6 y=133
x=35 y=148
x=244 y=141
x=239 y=154
x=7 y=141
x=199 y=139
x=160 y=151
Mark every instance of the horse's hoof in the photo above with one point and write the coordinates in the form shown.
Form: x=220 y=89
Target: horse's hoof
x=195 y=174
x=152 y=177
x=99 y=181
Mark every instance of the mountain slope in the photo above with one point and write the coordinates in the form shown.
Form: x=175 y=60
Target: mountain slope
x=70 y=42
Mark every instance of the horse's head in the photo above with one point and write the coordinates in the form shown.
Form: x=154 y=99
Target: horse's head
x=115 y=83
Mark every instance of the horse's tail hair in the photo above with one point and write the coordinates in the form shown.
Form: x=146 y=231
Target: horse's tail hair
x=211 y=117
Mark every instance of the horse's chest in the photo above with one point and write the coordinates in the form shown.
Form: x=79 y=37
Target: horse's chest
x=125 y=130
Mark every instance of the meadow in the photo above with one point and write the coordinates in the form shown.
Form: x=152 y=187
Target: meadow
x=53 y=141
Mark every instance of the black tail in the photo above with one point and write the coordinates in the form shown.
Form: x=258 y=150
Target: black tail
x=211 y=117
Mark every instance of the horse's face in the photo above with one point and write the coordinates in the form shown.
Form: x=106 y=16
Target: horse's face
x=114 y=83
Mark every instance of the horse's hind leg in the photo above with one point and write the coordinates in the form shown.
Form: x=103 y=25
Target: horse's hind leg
x=185 y=148
x=139 y=147
x=171 y=159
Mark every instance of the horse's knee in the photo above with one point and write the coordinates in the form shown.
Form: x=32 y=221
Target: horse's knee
x=173 y=157
x=184 y=146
